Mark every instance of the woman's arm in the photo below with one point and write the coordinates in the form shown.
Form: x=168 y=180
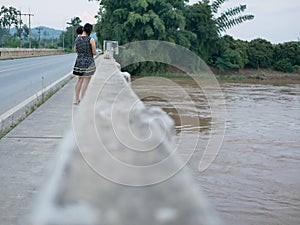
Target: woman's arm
x=92 y=41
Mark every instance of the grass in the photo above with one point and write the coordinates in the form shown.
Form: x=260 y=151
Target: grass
x=231 y=77
x=185 y=76
x=165 y=75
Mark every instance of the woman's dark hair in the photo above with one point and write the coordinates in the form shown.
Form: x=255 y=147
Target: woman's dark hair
x=88 y=28
x=79 y=30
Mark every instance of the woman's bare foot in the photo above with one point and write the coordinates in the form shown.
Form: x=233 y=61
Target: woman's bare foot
x=76 y=102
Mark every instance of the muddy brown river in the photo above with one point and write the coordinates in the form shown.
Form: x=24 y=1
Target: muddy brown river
x=254 y=179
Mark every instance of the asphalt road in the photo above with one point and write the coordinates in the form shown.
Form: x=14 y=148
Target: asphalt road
x=22 y=78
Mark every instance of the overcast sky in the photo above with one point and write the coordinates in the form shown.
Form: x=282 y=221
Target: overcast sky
x=275 y=20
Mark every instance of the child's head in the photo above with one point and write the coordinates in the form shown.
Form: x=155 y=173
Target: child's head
x=79 y=30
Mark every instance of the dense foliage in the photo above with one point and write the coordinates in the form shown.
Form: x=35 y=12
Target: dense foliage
x=232 y=54
x=127 y=21
x=199 y=20
x=260 y=53
x=287 y=56
x=198 y=27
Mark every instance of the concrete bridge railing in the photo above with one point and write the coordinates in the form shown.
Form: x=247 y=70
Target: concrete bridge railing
x=116 y=165
x=26 y=52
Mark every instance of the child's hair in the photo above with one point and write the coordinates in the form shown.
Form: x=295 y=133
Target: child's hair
x=88 y=28
x=79 y=30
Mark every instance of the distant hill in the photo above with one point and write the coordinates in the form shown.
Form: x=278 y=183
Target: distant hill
x=46 y=32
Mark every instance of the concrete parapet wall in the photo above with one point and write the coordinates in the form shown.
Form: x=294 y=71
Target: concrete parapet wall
x=26 y=52
x=116 y=167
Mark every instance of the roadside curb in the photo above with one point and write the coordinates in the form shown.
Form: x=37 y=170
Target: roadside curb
x=15 y=115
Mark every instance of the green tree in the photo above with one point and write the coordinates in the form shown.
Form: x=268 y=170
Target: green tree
x=229 y=18
x=232 y=54
x=9 y=17
x=260 y=53
x=288 y=50
x=67 y=37
x=4 y=35
x=197 y=27
x=127 y=21
x=287 y=56
x=199 y=20
x=283 y=65
x=75 y=22
x=24 y=33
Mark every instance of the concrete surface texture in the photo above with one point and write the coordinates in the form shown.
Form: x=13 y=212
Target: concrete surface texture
x=27 y=152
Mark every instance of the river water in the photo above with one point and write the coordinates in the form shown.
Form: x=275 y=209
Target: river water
x=254 y=179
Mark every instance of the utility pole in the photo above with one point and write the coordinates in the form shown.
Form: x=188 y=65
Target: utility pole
x=29 y=15
x=63 y=41
x=39 y=32
x=29 y=18
x=20 y=21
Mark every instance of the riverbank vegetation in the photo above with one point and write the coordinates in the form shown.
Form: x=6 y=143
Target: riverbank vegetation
x=263 y=76
x=198 y=27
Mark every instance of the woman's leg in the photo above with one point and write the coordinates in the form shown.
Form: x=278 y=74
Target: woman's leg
x=85 y=83
x=77 y=89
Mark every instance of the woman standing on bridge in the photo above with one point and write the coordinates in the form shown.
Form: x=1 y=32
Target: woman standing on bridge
x=84 y=66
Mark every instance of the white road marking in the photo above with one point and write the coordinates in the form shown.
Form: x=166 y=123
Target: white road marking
x=16 y=108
